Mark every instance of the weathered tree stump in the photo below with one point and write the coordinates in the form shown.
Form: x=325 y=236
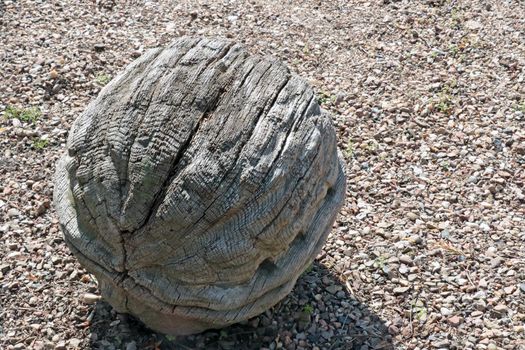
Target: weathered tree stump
x=199 y=185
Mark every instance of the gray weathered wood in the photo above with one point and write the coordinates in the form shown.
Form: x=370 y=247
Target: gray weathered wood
x=199 y=185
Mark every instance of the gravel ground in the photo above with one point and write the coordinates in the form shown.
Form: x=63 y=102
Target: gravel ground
x=428 y=98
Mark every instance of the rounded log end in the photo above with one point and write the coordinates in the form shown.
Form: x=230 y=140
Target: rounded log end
x=199 y=185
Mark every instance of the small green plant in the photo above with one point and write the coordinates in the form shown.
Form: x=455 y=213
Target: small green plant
x=103 y=79
x=40 y=143
x=444 y=103
x=451 y=84
x=223 y=334
x=372 y=146
x=308 y=309
x=455 y=19
x=309 y=268
x=325 y=97
x=445 y=165
x=306 y=50
x=349 y=150
x=421 y=312
x=380 y=262
x=444 y=106
x=28 y=115
x=453 y=50
x=520 y=107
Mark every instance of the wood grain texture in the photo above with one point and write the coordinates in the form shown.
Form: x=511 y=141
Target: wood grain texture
x=199 y=185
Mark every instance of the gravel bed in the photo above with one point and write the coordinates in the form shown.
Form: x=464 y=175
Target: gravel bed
x=428 y=98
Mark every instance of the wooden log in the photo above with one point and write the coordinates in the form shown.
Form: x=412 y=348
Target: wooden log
x=199 y=185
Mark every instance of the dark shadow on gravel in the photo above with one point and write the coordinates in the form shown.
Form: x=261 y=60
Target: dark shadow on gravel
x=319 y=312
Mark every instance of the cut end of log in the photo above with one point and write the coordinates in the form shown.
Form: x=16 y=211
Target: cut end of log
x=199 y=185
